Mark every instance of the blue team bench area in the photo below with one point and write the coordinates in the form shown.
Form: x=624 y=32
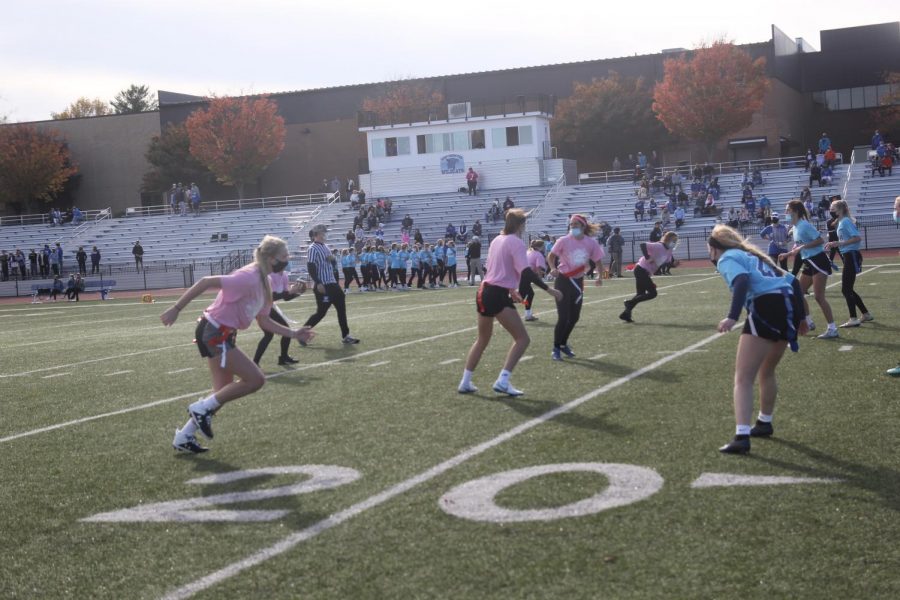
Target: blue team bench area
x=104 y=286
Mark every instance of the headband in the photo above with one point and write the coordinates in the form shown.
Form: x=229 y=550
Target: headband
x=580 y=219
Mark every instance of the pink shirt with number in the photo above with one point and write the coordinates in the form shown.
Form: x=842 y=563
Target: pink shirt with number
x=659 y=255
x=241 y=299
x=506 y=260
x=575 y=255
x=536 y=261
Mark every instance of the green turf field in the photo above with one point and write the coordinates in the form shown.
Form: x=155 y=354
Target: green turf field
x=90 y=395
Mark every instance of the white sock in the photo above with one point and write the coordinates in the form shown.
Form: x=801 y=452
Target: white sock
x=742 y=430
x=832 y=326
x=809 y=320
x=504 y=377
x=467 y=377
x=190 y=428
x=208 y=404
x=764 y=418
x=527 y=312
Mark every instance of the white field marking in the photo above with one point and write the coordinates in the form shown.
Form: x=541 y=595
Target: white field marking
x=55 y=375
x=889 y=272
x=114 y=373
x=65 y=308
x=475 y=500
x=449 y=361
x=93 y=360
x=598 y=357
x=707 y=480
x=381 y=363
x=350 y=358
x=180 y=371
x=873 y=284
x=524 y=358
x=79 y=324
x=139 y=331
x=292 y=540
x=845 y=348
x=838 y=282
x=672 y=351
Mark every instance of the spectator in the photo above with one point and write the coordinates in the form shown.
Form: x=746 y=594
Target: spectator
x=418 y=238
x=71 y=289
x=830 y=158
x=350 y=186
x=815 y=174
x=195 y=199
x=351 y=238
x=805 y=194
x=474 y=256
x=77 y=216
x=657 y=232
x=472 y=182
x=733 y=218
x=32 y=261
x=746 y=179
x=379 y=233
x=679 y=217
x=388 y=205
x=95 y=261
x=757 y=179
x=876 y=140
x=708 y=171
x=642 y=160
x=824 y=143
x=709 y=208
x=450 y=232
x=616 y=164
x=750 y=205
x=354 y=199
x=808 y=205
x=57 y=287
x=810 y=159
x=138 y=252
x=887 y=164
x=746 y=194
x=765 y=204
x=362 y=197
x=827 y=175
x=406 y=223
x=81 y=258
x=652 y=207
x=59 y=255
x=508 y=204
x=4 y=265
x=615 y=243
x=639 y=210
x=476 y=228
x=335 y=185
x=463 y=233
x=173 y=198
x=54 y=261
x=677 y=181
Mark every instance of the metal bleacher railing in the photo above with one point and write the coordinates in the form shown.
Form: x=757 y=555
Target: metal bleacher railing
x=239 y=204
x=44 y=218
x=477 y=109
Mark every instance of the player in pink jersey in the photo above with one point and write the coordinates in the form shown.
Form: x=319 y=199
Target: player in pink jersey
x=570 y=259
x=538 y=264
x=655 y=254
x=244 y=295
x=506 y=263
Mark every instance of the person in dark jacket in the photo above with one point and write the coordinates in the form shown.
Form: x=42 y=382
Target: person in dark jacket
x=81 y=258
x=95 y=261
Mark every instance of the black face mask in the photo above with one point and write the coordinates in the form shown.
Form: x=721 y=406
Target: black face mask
x=279 y=266
x=834 y=215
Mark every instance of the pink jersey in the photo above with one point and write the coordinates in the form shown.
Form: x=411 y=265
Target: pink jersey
x=575 y=255
x=506 y=260
x=659 y=255
x=241 y=299
x=536 y=261
x=279 y=282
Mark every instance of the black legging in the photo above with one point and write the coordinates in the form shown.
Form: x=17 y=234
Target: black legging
x=527 y=292
x=335 y=296
x=268 y=335
x=646 y=289
x=852 y=264
x=451 y=272
x=349 y=276
x=401 y=275
x=416 y=271
x=568 y=310
x=798 y=264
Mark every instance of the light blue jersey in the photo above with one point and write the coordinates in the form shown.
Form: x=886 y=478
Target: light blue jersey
x=763 y=278
x=347 y=262
x=379 y=259
x=846 y=230
x=395 y=259
x=440 y=253
x=804 y=233
x=414 y=259
x=451 y=257
x=404 y=258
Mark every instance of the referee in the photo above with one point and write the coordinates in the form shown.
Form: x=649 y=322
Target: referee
x=321 y=267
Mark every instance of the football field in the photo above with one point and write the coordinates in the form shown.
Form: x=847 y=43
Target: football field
x=361 y=473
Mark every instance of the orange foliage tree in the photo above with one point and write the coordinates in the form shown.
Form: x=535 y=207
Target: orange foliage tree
x=34 y=166
x=236 y=138
x=397 y=99
x=711 y=94
x=887 y=116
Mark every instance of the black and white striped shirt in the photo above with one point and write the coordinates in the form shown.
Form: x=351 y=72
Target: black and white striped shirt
x=318 y=263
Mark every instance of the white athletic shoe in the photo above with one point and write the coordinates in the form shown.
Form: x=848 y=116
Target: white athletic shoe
x=466 y=388
x=829 y=334
x=852 y=323
x=507 y=389
x=867 y=317
x=812 y=326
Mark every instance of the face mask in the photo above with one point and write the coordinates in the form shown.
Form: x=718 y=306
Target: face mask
x=833 y=214
x=279 y=266
x=575 y=231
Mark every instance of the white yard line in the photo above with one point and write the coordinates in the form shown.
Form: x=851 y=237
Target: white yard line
x=90 y=323
x=845 y=348
x=55 y=375
x=292 y=540
x=524 y=358
x=179 y=371
x=598 y=357
x=93 y=360
x=450 y=361
x=114 y=373
x=335 y=361
x=380 y=364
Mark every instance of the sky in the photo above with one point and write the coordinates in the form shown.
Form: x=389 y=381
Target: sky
x=52 y=52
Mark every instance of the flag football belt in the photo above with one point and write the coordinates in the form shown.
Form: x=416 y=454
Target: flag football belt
x=220 y=340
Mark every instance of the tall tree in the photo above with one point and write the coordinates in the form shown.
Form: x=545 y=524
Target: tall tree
x=887 y=116
x=236 y=138
x=34 y=166
x=712 y=94
x=608 y=117
x=400 y=99
x=134 y=99
x=83 y=107
x=169 y=155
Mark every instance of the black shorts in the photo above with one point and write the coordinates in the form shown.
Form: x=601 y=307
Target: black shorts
x=817 y=264
x=768 y=316
x=492 y=299
x=209 y=338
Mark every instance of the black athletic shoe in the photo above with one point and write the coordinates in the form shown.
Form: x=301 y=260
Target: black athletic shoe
x=203 y=420
x=626 y=316
x=188 y=444
x=287 y=360
x=567 y=351
x=302 y=343
x=739 y=445
x=762 y=429
x=349 y=340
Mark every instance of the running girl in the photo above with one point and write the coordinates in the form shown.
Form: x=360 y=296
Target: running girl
x=243 y=295
x=507 y=261
x=654 y=254
x=775 y=312
x=281 y=290
x=848 y=243
x=570 y=260
x=808 y=243
x=538 y=264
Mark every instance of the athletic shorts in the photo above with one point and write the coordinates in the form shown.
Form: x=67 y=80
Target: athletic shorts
x=492 y=299
x=209 y=338
x=767 y=318
x=817 y=264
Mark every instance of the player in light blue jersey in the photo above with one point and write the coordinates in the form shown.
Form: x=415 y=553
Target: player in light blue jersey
x=450 y=261
x=775 y=318
x=348 y=265
x=378 y=272
x=849 y=243
x=808 y=243
x=404 y=259
x=415 y=264
x=440 y=254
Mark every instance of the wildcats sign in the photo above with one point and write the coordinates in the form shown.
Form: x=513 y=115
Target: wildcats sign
x=452 y=164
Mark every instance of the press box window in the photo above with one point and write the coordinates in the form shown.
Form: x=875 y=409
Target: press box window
x=390 y=147
x=503 y=137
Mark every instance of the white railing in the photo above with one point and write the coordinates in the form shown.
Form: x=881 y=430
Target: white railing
x=239 y=204
x=686 y=170
x=849 y=175
x=88 y=223
x=44 y=218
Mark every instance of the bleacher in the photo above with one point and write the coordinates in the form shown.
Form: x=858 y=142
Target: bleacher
x=26 y=237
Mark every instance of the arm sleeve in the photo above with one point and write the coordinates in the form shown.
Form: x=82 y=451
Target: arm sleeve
x=313 y=272
x=531 y=277
x=644 y=250
x=740 y=286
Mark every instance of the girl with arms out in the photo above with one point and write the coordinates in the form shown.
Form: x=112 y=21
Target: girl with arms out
x=654 y=255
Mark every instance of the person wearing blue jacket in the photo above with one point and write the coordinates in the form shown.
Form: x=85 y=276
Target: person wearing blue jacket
x=402 y=258
x=434 y=264
x=380 y=261
x=348 y=264
x=425 y=257
x=440 y=252
x=848 y=243
x=415 y=265
x=364 y=268
x=394 y=266
x=450 y=258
